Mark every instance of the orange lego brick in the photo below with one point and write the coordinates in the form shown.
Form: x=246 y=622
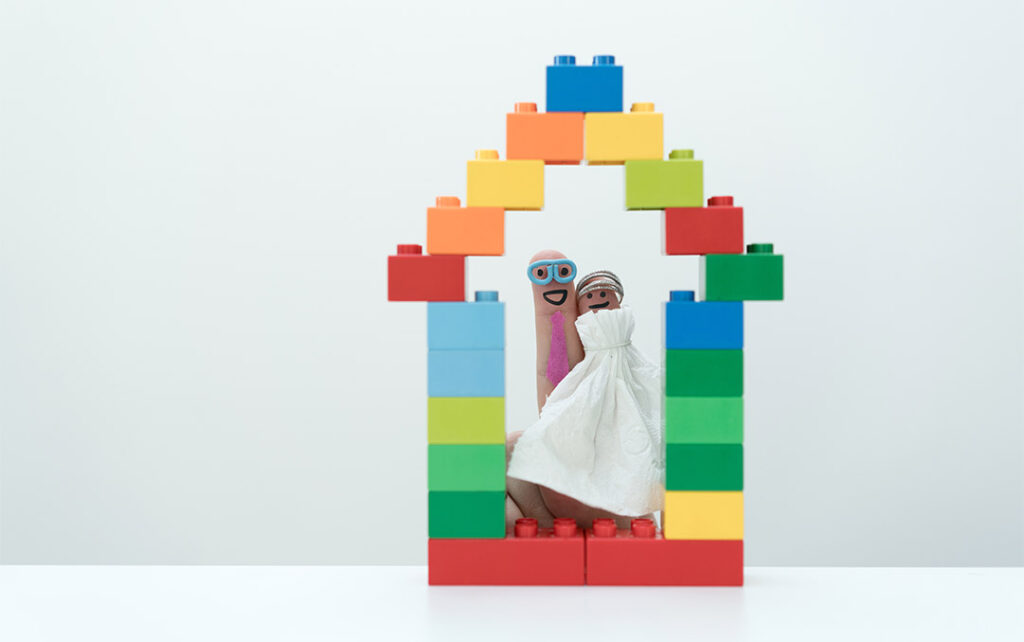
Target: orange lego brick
x=466 y=231
x=555 y=137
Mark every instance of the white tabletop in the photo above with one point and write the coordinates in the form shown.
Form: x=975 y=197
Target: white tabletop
x=385 y=603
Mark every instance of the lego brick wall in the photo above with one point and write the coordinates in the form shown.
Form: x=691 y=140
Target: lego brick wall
x=198 y=365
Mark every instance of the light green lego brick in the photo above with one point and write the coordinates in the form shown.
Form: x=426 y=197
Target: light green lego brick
x=466 y=467
x=704 y=373
x=461 y=514
x=466 y=420
x=704 y=420
x=741 y=277
x=657 y=184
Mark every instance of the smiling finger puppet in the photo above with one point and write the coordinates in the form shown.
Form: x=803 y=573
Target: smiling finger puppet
x=554 y=303
x=600 y=290
x=598 y=446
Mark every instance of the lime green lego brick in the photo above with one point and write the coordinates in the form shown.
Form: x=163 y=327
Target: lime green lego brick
x=466 y=467
x=741 y=277
x=657 y=184
x=703 y=467
x=704 y=373
x=704 y=420
x=466 y=420
x=464 y=514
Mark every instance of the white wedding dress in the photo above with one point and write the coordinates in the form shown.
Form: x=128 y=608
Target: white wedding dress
x=599 y=436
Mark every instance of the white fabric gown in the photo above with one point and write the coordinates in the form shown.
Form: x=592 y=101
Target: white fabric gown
x=599 y=436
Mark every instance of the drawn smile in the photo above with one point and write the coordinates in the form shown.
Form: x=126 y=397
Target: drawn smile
x=600 y=305
x=556 y=297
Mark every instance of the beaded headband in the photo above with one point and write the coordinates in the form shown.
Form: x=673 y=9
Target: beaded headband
x=600 y=280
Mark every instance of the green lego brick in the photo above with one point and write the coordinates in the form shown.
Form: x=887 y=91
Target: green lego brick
x=466 y=467
x=704 y=373
x=704 y=420
x=657 y=184
x=755 y=276
x=703 y=467
x=466 y=514
x=466 y=420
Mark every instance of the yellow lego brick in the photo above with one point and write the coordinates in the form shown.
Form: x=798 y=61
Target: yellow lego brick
x=614 y=138
x=703 y=515
x=511 y=184
x=466 y=420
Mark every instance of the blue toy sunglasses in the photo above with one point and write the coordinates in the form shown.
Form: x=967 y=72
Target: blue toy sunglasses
x=561 y=270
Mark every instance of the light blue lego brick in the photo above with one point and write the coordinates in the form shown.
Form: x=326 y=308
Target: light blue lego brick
x=479 y=325
x=466 y=373
x=583 y=88
x=703 y=325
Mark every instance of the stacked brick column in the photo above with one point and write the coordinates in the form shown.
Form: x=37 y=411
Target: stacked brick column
x=466 y=417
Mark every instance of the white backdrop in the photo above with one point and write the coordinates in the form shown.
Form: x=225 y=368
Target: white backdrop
x=197 y=362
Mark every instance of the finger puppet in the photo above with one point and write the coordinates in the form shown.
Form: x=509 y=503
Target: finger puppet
x=554 y=303
x=599 y=290
x=599 y=436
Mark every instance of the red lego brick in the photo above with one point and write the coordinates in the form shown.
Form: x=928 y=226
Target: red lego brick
x=715 y=229
x=413 y=276
x=528 y=556
x=642 y=557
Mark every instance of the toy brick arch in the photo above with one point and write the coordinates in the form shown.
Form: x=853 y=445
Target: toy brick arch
x=702 y=541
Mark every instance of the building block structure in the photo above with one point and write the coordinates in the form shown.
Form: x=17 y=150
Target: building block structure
x=614 y=138
x=701 y=543
x=554 y=137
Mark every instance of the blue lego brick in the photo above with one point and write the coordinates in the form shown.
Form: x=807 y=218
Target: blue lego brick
x=479 y=325
x=704 y=325
x=466 y=373
x=597 y=87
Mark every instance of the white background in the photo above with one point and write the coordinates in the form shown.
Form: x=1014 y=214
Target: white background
x=328 y=603
x=197 y=361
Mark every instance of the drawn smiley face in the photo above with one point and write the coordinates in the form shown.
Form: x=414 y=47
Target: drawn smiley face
x=554 y=271
x=599 y=299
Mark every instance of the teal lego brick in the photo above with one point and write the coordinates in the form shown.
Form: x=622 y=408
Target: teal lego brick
x=657 y=184
x=466 y=514
x=704 y=420
x=704 y=373
x=466 y=373
x=754 y=276
x=466 y=467
x=461 y=325
x=703 y=467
